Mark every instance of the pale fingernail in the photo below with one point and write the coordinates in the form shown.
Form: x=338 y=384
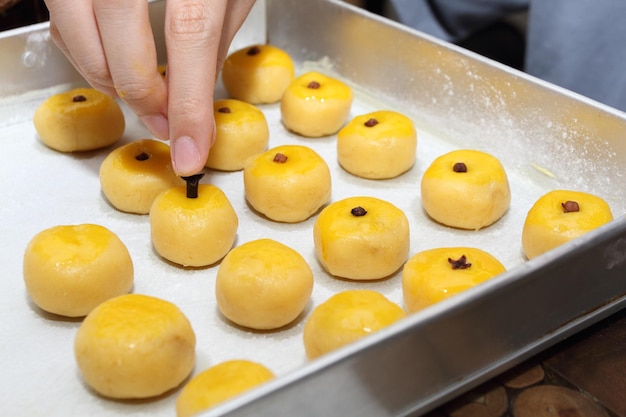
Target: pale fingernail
x=157 y=124
x=186 y=156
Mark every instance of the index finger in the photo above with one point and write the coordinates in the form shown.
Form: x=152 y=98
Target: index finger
x=193 y=31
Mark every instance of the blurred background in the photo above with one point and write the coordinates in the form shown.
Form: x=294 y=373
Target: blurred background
x=17 y=13
x=503 y=41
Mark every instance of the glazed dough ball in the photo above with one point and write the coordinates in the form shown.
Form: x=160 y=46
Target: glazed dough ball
x=347 y=317
x=361 y=238
x=288 y=183
x=132 y=175
x=258 y=74
x=436 y=274
x=560 y=216
x=69 y=270
x=135 y=346
x=466 y=189
x=220 y=383
x=315 y=105
x=377 y=145
x=263 y=285
x=241 y=132
x=82 y=119
x=193 y=231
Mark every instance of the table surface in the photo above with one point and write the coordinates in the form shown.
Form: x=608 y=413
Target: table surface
x=583 y=376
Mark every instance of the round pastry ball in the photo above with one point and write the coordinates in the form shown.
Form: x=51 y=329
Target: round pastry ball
x=135 y=346
x=315 y=105
x=287 y=183
x=241 y=132
x=258 y=74
x=193 y=231
x=347 y=317
x=466 y=189
x=361 y=238
x=377 y=145
x=220 y=383
x=263 y=284
x=69 y=270
x=82 y=119
x=560 y=216
x=132 y=175
x=436 y=274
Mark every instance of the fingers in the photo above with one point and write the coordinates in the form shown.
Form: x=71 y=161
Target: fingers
x=130 y=52
x=110 y=43
x=197 y=33
x=74 y=29
x=192 y=34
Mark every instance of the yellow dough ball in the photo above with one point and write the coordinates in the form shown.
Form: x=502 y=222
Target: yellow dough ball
x=436 y=274
x=241 y=132
x=220 y=383
x=377 y=145
x=347 y=317
x=560 y=216
x=133 y=175
x=361 y=238
x=82 y=119
x=193 y=231
x=315 y=105
x=135 y=346
x=263 y=284
x=466 y=189
x=287 y=183
x=69 y=270
x=258 y=74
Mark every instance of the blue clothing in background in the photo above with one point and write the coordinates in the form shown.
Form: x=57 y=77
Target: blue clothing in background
x=576 y=44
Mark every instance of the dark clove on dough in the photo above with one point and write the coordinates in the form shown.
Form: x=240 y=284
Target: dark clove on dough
x=459 y=167
x=570 y=206
x=460 y=263
x=358 y=211
x=193 y=181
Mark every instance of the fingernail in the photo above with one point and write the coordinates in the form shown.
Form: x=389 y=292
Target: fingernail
x=157 y=124
x=186 y=156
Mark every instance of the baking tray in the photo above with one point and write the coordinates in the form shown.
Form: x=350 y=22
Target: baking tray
x=546 y=137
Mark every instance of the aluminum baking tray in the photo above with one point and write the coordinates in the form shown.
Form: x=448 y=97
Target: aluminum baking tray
x=546 y=137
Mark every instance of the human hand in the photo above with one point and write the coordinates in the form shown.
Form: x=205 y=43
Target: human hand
x=110 y=42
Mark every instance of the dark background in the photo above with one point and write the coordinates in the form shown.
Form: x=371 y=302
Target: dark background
x=17 y=13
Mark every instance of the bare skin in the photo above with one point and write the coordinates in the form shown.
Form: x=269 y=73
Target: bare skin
x=110 y=43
